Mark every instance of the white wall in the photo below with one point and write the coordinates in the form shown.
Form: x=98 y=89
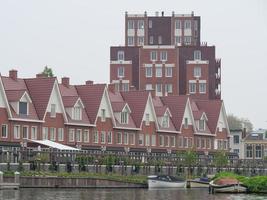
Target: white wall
x=105 y=105
x=55 y=99
x=188 y=114
x=149 y=110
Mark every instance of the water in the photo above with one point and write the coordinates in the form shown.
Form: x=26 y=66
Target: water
x=120 y=194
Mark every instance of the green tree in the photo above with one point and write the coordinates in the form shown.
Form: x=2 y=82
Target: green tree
x=235 y=122
x=48 y=72
x=190 y=160
x=220 y=159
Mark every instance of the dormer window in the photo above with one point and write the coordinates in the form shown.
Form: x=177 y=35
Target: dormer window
x=77 y=113
x=124 y=117
x=201 y=125
x=147 y=119
x=186 y=122
x=53 y=110
x=103 y=115
x=165 y=121
x=23 y=108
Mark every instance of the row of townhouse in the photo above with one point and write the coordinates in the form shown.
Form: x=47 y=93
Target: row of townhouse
x=96 y=116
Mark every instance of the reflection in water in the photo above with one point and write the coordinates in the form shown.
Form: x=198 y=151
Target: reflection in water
x=120 y=194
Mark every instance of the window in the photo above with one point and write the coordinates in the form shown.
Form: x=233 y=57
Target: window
x=130 y=24
x=202 y=143
x=189 y=142
x=132 y=139
x=202 y=88
x=201 y=125
x=124 y=117
x=258 y=151
x=167 y=141
x=140 y=24
x=198 y=142
x=177 y=24
x=120 y=72
x=168 y=71
x=185 y=142
x=147 y=119
x=172 y=141
x=153 y=55
x=185 y=122
x=125 y=87
x=71 y=135
x=161 y=140
x=103 y=115
x=187 y=24
x=78 y=135
x=187 y=40
x=159 y=88
x=34 y=133
x=236 y=139
x=60 y=133
x=45 y=133
x=130 y=40
x=197 y=71
x=16 y=132
x=149 y=87
x=147 y=140
x=225 y=144
x=4 y=129
x=148 y=71
x=180 y=141
x=77 y=113
x=165 y=121
x=159 y=39
x=168 y=88
x=236 y=151
x=119 y=138
x=53 y=110
x=178 y=40
x=150 y=24
x=192 y=88
x=52 y=134
x=208 y=145
x=140 y=41
x=158 y=71
x=163 y=55
x=95 y=137
x=151 y=40
x=120 y=55
x=103 y=137
x=197 y=55
x=249 y=151
x=141 y=139
x=23 y=108
x=153 y=140
x=126 y=138
x=109 y=137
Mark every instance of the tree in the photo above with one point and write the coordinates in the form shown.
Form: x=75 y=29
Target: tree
x=48 y=72
x=235 y=122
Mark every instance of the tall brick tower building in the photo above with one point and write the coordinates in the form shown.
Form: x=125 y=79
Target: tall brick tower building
x=165 y=54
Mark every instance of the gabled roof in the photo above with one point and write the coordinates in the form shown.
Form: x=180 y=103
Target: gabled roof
x=177 y=105
x=14 y=95
x=69 y=101
x=118 y=106
x=91 y=96
x=40 y=90
x=137 y=101
x=212 y=109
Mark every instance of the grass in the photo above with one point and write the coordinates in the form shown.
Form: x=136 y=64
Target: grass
x=255 y=184
x=138 y=179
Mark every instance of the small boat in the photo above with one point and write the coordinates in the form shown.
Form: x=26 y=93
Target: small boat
x=198 y=183
x=227 y=185
x=163 y=181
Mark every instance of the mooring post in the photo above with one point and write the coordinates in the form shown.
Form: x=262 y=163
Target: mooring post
x=1 y=177
x=17 y=175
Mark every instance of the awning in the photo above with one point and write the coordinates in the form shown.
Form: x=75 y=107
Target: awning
x=54 y=145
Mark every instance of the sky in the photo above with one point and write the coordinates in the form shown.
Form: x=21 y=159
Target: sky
x=73 y=37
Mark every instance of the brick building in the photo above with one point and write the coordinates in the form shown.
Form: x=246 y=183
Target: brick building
x=165 y=54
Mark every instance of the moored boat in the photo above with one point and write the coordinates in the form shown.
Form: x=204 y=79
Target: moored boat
x=198 y=183
x=227 y=185
x=162 y=181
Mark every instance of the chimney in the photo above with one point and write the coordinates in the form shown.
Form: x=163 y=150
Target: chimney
x=40 y=75
x=173 y=13
x=13 y=74
x=111 y=87
x=65 y=81
x=162 y=13
x=244 y=133
x=145 y=14
x=192 y=13
x=89 y=82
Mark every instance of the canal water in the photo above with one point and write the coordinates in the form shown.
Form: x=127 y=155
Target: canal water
x=121 y=194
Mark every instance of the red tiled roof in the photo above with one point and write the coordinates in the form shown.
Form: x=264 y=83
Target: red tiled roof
x=10 y=84
x=197 y=114
x=91 y=96
x=68 y=91
x=69 y=101
x=212 y=109
x=176 y=105
x=160 y=110
x=137 y=102
x=40 y=90
x=14 y=95
x=117 y=106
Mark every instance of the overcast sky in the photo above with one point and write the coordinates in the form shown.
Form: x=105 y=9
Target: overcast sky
x=73 y=37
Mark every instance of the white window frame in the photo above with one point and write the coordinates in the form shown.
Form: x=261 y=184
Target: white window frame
x=192 y=87
x=78 y=135
x=153 y=56
x=197 y=55
x=149 y=86
x=201 y=125
x=187 y=24
x=77 y=113
x=130 y=24
x=95 y=137
x=118 y=138
x=34 y=132
x=202 y=88
x=27 y=132
x=153 y=140
x=140 y=40
x=178 y=24
x=173 y=139
x=126 y=138
x=197 y=71
x=158 y=72
x=149 y=72
x=60 y=135
x=124 y=117
x=168 y=71
x=130 y=41
x=71 y=135
x=147 y=142
x=52 y=131
x=120 y=55
x=103 y=115
x=53 y=112
x=86 y=136
x=168 y=88
x=109 y=137
x=147 y=119
x=163 y=56
x=6 y=130
x=121 y=72
x=161 y=140
x=45 y=133
x=141 y=139
x=140 y=24
x=103 y=137
x=165 y=121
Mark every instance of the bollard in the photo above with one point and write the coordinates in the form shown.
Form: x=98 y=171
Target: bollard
x=1 y=177
x=17 y=174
